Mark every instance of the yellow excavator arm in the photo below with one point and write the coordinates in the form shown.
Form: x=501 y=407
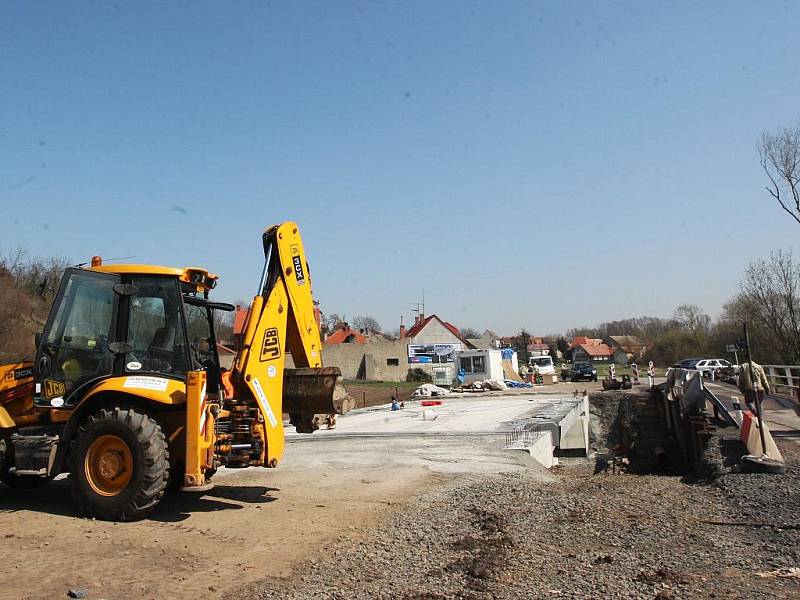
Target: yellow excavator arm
x=281 y=319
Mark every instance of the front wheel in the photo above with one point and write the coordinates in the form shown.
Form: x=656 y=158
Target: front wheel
x=119 y=464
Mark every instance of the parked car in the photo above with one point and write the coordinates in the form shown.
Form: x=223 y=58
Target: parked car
x=544 y=364
x=687 y=363
x=718 y=366
x=582 y=371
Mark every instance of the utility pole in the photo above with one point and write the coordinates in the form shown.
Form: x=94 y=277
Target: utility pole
x=753 y=384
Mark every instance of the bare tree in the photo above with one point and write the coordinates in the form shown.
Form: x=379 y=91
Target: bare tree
x=780 y=159
x=470 y=333
x=367 y=323
x=695 y=322
x=331 y=320
x=770 y=296
x=27 y=286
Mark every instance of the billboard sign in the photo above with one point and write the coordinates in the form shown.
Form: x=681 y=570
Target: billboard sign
x=432 y=353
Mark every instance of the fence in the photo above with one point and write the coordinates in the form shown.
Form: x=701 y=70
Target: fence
x=784 y=379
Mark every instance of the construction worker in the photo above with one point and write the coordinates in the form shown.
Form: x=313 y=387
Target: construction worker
x=536 y=377
x=753 y=386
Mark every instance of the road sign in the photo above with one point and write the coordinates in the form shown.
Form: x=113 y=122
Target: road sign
x=731 y=348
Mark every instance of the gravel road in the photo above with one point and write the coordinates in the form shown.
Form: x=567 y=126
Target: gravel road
x=572 y=534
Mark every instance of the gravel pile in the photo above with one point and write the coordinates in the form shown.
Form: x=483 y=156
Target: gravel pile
x=573 y=535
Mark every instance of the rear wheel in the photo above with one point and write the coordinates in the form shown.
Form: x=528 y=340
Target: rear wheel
x=119 y=464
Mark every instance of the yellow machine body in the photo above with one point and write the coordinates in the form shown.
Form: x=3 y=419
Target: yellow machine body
x=236 y=425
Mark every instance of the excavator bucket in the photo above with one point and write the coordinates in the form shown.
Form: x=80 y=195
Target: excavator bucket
x=315 y=391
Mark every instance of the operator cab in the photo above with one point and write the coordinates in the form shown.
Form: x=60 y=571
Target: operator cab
x=126 y=320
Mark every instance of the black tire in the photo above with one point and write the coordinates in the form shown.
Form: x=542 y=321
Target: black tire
x=756 y=464
x=149 y=458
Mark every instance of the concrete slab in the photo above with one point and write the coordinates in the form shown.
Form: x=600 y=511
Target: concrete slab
x=470 y=434
x=474 y=414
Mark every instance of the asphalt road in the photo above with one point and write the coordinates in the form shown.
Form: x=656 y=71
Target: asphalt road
x=781 y=414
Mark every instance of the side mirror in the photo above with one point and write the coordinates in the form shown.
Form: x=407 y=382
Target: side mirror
x=43 y=366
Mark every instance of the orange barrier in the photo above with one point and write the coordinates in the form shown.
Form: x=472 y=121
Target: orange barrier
x=752 y=440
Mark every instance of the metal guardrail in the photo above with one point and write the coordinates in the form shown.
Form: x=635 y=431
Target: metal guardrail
x=785 y=378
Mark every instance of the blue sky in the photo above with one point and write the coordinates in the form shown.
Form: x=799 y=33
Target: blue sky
x=529 y=164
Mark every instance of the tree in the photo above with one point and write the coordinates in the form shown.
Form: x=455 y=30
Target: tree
x=367 y=323
x=468 y=332
x=770 y=299
x=780 y=159
x=554 y=353
x=329 y=321
x=671 y=347
x=695 y=322
x=728 y=330
x=223 y=325
x=521 y=346
x=27 y=287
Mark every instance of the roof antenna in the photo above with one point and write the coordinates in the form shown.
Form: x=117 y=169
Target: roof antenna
x=83 y=264
x=122 y=258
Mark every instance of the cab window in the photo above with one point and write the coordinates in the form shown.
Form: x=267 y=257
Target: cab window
x=155 y=328
x=78 y=337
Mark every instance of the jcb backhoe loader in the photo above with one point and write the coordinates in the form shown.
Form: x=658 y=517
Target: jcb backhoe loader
x=127 y=395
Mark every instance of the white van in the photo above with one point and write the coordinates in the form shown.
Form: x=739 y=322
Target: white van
x=544 y=364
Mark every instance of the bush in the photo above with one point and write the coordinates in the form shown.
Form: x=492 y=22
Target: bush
x=419 y=375
x=26 y=291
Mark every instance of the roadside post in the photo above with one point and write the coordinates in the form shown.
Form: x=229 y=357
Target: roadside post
x=635 y=372
x=651 y=374
x=612 y=371
x=755 y=393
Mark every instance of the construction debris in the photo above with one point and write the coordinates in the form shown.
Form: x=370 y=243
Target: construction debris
x=427 y=390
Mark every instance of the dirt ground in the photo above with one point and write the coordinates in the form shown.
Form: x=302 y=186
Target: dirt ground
x=575 y=533
x=254 y=523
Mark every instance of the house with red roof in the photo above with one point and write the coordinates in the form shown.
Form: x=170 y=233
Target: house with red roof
x=582 y=340
x=344 y=334
x=592 y=353
x=433 y=330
